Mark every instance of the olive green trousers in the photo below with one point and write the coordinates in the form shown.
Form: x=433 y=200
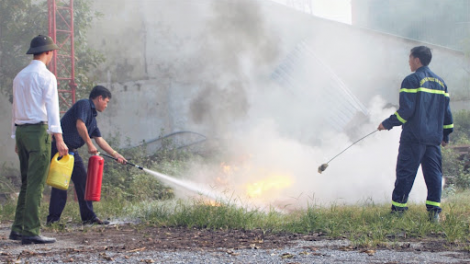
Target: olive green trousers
x=34 y=151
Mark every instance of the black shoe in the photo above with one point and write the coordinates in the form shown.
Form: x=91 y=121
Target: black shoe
x=15 y=236
x=26 y=240
x=51 y=220
x=49 y=223
x=96 y=221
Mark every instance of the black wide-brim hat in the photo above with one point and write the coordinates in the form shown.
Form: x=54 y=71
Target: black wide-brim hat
x=41 y=44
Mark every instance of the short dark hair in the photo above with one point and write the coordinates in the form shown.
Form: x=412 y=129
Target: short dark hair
x=100 y=90
x=423 y=53
x=36 y=55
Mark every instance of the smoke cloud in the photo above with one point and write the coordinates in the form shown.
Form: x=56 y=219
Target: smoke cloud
x=273 y=136
x=237 y=46
x=365 y=173
x=277 y=91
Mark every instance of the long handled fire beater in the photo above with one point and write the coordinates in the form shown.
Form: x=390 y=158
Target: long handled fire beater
x=323 y=167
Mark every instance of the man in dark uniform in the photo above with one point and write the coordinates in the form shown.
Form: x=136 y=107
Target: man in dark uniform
x=426 y=120
x=79 y=126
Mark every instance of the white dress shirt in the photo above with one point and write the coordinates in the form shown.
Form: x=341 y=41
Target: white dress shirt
x=35 y=98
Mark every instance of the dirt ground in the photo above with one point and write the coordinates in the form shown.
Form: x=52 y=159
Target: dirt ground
x=126 y=239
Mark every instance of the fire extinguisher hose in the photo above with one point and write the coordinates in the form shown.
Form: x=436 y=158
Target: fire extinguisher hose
x=128 y=163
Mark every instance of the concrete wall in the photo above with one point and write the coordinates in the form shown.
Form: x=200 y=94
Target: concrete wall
x=162 y=54
x=193 y=65
x=165 y=56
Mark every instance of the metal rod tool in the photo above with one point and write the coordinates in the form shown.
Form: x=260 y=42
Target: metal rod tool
x=323 y=167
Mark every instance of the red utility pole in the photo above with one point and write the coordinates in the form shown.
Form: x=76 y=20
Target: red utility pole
x=63 y=63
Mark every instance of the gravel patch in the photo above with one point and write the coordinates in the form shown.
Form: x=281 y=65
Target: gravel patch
x=297 y=252
x=125 y=244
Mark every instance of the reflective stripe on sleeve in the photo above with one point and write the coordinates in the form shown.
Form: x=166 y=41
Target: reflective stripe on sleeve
x=400 y=118
x=448 y=126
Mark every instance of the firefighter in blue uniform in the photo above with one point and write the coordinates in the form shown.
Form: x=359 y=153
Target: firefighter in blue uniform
x=426 y=120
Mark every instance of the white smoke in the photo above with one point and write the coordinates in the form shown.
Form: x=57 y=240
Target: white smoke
x=270 y=131
x=267 y=129
x=363 y=173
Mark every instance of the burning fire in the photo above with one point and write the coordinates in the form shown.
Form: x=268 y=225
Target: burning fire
x=227 y=169
x=212 y=203
x=245 y=179
x=268 y=186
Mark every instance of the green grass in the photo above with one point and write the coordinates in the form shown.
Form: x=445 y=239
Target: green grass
x=366 y=226
x=131 y=195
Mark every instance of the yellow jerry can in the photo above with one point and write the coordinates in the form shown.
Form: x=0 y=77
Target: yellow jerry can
x=60 y=171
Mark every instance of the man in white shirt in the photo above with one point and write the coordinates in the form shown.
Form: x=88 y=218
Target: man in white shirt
x=35 y=116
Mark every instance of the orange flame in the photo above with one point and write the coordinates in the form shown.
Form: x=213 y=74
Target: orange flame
x=268 y=186
x=226 y=168
x=265 y=188
x=212 y=203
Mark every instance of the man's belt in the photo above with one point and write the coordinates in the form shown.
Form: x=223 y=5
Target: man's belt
x=35 y=124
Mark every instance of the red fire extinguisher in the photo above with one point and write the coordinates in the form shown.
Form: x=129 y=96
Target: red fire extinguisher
x=94 y=178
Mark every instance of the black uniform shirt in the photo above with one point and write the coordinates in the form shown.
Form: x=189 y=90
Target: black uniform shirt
x=84 y=110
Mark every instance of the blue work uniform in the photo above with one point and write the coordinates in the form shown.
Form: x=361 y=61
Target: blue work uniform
x=84 y=110
x=426 y=121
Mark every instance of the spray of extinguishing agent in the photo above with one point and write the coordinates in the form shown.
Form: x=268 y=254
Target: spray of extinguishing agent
x=186 y=185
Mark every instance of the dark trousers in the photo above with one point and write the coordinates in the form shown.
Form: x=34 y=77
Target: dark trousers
x=59 y=197
x=34 y=146
x=410 y=157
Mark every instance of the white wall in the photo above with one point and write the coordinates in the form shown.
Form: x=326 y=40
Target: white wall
x=162 y=55
x=194 y=65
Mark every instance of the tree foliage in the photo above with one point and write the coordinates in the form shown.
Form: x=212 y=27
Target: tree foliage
x=21 y=20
